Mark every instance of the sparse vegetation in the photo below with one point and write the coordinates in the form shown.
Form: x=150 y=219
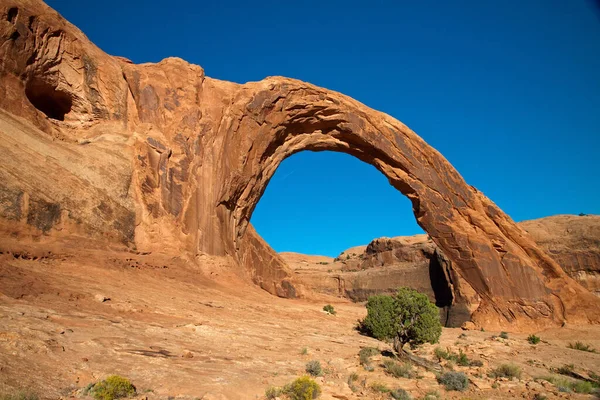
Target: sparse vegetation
x=400 y=394
x=432 y=395
x=314 y=368
x=533 y=339
x=366 y=353
x=454 y=381
x=504 y=335
x=539 y=396
x=273 y=392
x=20 y=395
x=113 y=387
x=460 y=358
x=567 y=385
x=323 y=263
x=506 y=371
x=398 y=370
x=566 y=369
x=352 y=378
x=581 y=346
x=304 y=351
x=408 y=317
x=329 y=309
x=380 y=387
x=303 y=388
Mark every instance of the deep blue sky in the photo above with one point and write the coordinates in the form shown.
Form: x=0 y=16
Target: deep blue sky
x=509 y=92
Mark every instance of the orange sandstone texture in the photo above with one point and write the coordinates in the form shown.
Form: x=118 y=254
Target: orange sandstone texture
x=159 y=157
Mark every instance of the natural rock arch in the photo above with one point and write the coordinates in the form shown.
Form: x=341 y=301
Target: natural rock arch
x=280 y=117
x=186 y=159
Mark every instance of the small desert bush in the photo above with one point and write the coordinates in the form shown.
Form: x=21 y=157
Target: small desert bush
x=113 y=387
x=432 y=395
x=303 y=388
x=329 y=309
x=400 y=394
x=380 y=387
x=398 y=370
x=20 y=395
x=460 y=358
x=314 y=368
x=273 y=392
x=366 y=353
x=441 y=354
x=504 y=335
x=566 y=369
x=506 y=371
x=581 y=346
x=454 y=381
x=566 y=385
x=353 y=377
x=533 y=339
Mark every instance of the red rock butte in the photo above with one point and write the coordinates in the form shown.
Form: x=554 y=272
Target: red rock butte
x=159 y=157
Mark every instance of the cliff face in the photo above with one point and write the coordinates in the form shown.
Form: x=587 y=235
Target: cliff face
x=162 y=158
x=574 y=242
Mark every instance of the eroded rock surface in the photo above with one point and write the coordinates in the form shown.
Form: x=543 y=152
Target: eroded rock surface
x=164 y=159
x=415 y=261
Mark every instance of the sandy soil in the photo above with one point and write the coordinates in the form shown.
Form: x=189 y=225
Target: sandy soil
x=69 y=318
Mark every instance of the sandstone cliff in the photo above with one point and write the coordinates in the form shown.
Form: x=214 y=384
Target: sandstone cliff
x=161 y=158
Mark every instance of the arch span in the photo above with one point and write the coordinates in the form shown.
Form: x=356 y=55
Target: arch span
x=277 y=118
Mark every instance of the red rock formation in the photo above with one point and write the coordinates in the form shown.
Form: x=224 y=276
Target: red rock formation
x=415 y=261
x=202 y=152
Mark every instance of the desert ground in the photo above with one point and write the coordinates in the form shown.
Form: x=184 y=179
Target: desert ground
x=70 y=318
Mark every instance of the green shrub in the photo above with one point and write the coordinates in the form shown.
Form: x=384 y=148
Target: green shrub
x=408 y=317
x=533 y=339
x=582 y=387
x=20 y=395
x=366 y=353
x=454 y=381
x=113 y=387
x=580 y=346
x=304 y=351
x=539 y=396
x=314 y=368
x=380 y=387
x=441 y=354
x=303 y=388
x=566 y=385
x=462 y=359
x=379 y=322
x=504 y=335
x=329 y=309
x=507 y=371
x=400 y=394
x=398 y=370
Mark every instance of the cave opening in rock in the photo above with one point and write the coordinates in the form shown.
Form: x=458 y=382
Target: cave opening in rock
x=12 y=14
x=48 y=99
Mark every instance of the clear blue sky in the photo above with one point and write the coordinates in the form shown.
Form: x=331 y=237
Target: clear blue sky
x=509 y=92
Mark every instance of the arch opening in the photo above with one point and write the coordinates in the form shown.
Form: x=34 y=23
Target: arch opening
x=344 y=230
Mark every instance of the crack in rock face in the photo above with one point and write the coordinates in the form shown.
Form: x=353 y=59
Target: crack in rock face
x=171 y=160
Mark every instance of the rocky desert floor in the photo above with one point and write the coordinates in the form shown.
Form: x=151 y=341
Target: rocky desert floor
x=70 y=317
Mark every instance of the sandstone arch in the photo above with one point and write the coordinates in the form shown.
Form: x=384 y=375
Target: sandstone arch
x=186 y=159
